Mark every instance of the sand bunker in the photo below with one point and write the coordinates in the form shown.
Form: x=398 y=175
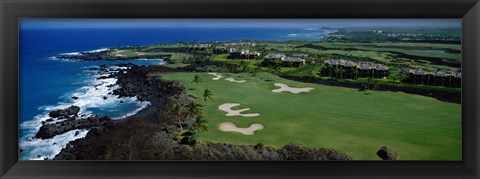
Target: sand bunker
x=231 y=127
x=235 y=81
x=217 y=76
x=227 y=107
x=284 y=87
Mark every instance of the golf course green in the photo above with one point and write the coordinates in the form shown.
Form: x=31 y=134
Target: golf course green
x=356 y=122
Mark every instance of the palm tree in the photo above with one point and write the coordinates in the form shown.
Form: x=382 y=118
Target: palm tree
x=178 y=110
x=196 y=80
x=200 y=124
x=257 y=69
x=330 y=70
x=321 y=71
x=194 y=109
x=355 y=73
x=207 y=94
x=337 y=71
x=342 y=73
x=243 y=65
x=369 y=83
x=276 y=70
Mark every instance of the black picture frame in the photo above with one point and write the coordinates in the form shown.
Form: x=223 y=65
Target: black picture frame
x=12 y=10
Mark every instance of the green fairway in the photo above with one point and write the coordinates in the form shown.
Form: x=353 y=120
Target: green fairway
x=355 y=122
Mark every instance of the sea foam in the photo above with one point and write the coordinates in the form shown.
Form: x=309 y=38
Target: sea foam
x=97 y=94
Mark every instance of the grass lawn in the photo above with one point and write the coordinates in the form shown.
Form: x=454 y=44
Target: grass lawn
x=394 y=47
x=396 y=44
x=417 y=127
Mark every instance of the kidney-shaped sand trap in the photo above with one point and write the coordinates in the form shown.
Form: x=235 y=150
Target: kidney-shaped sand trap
x=235 y=81
x=217 y=76
x=231 y=127
x=227 y=107
x=284 y=87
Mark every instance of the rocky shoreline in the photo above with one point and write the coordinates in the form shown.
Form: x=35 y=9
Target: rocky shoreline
x=104 y=55
x=150 y=134
x=52 y=129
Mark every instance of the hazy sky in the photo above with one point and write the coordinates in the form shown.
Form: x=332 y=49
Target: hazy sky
x=231 y=23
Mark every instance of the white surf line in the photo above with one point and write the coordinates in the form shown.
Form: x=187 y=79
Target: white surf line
x=217 y=76
x=232 y=80
x=227 y=107
x=284 y=87
x=231 y=127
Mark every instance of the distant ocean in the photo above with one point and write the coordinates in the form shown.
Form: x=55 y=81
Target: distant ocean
x=47 y=84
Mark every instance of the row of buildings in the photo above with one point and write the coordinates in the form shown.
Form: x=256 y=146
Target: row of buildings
x=242 y=54
x=199 y=47
x=340 y=68
x=295 y=60
x=228 y=47
x=433 y=78
x=352 y=70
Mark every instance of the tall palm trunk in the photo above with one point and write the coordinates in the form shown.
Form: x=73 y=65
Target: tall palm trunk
x=199 y=140
x=180 y=123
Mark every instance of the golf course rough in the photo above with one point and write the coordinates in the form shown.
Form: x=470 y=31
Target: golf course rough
x=345 y=119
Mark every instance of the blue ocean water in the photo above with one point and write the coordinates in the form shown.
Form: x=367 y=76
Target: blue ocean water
x=48 y=84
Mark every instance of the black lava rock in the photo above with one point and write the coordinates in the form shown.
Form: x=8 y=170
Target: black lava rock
x=72 y=110
x=386 y=153
x=50 y=130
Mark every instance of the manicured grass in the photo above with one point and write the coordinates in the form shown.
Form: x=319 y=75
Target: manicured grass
x=176 y=65
x=398 y=44
x=123 y=53
x=355 y=122
x=178 y=60
x=394 y=47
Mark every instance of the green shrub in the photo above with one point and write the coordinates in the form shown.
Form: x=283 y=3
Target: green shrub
x=258 y=146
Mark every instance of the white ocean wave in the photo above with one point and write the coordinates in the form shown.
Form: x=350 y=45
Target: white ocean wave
x=97 y=50
x=39 y=149
x=71 y=54
x=61 y=59
x=97 y=94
